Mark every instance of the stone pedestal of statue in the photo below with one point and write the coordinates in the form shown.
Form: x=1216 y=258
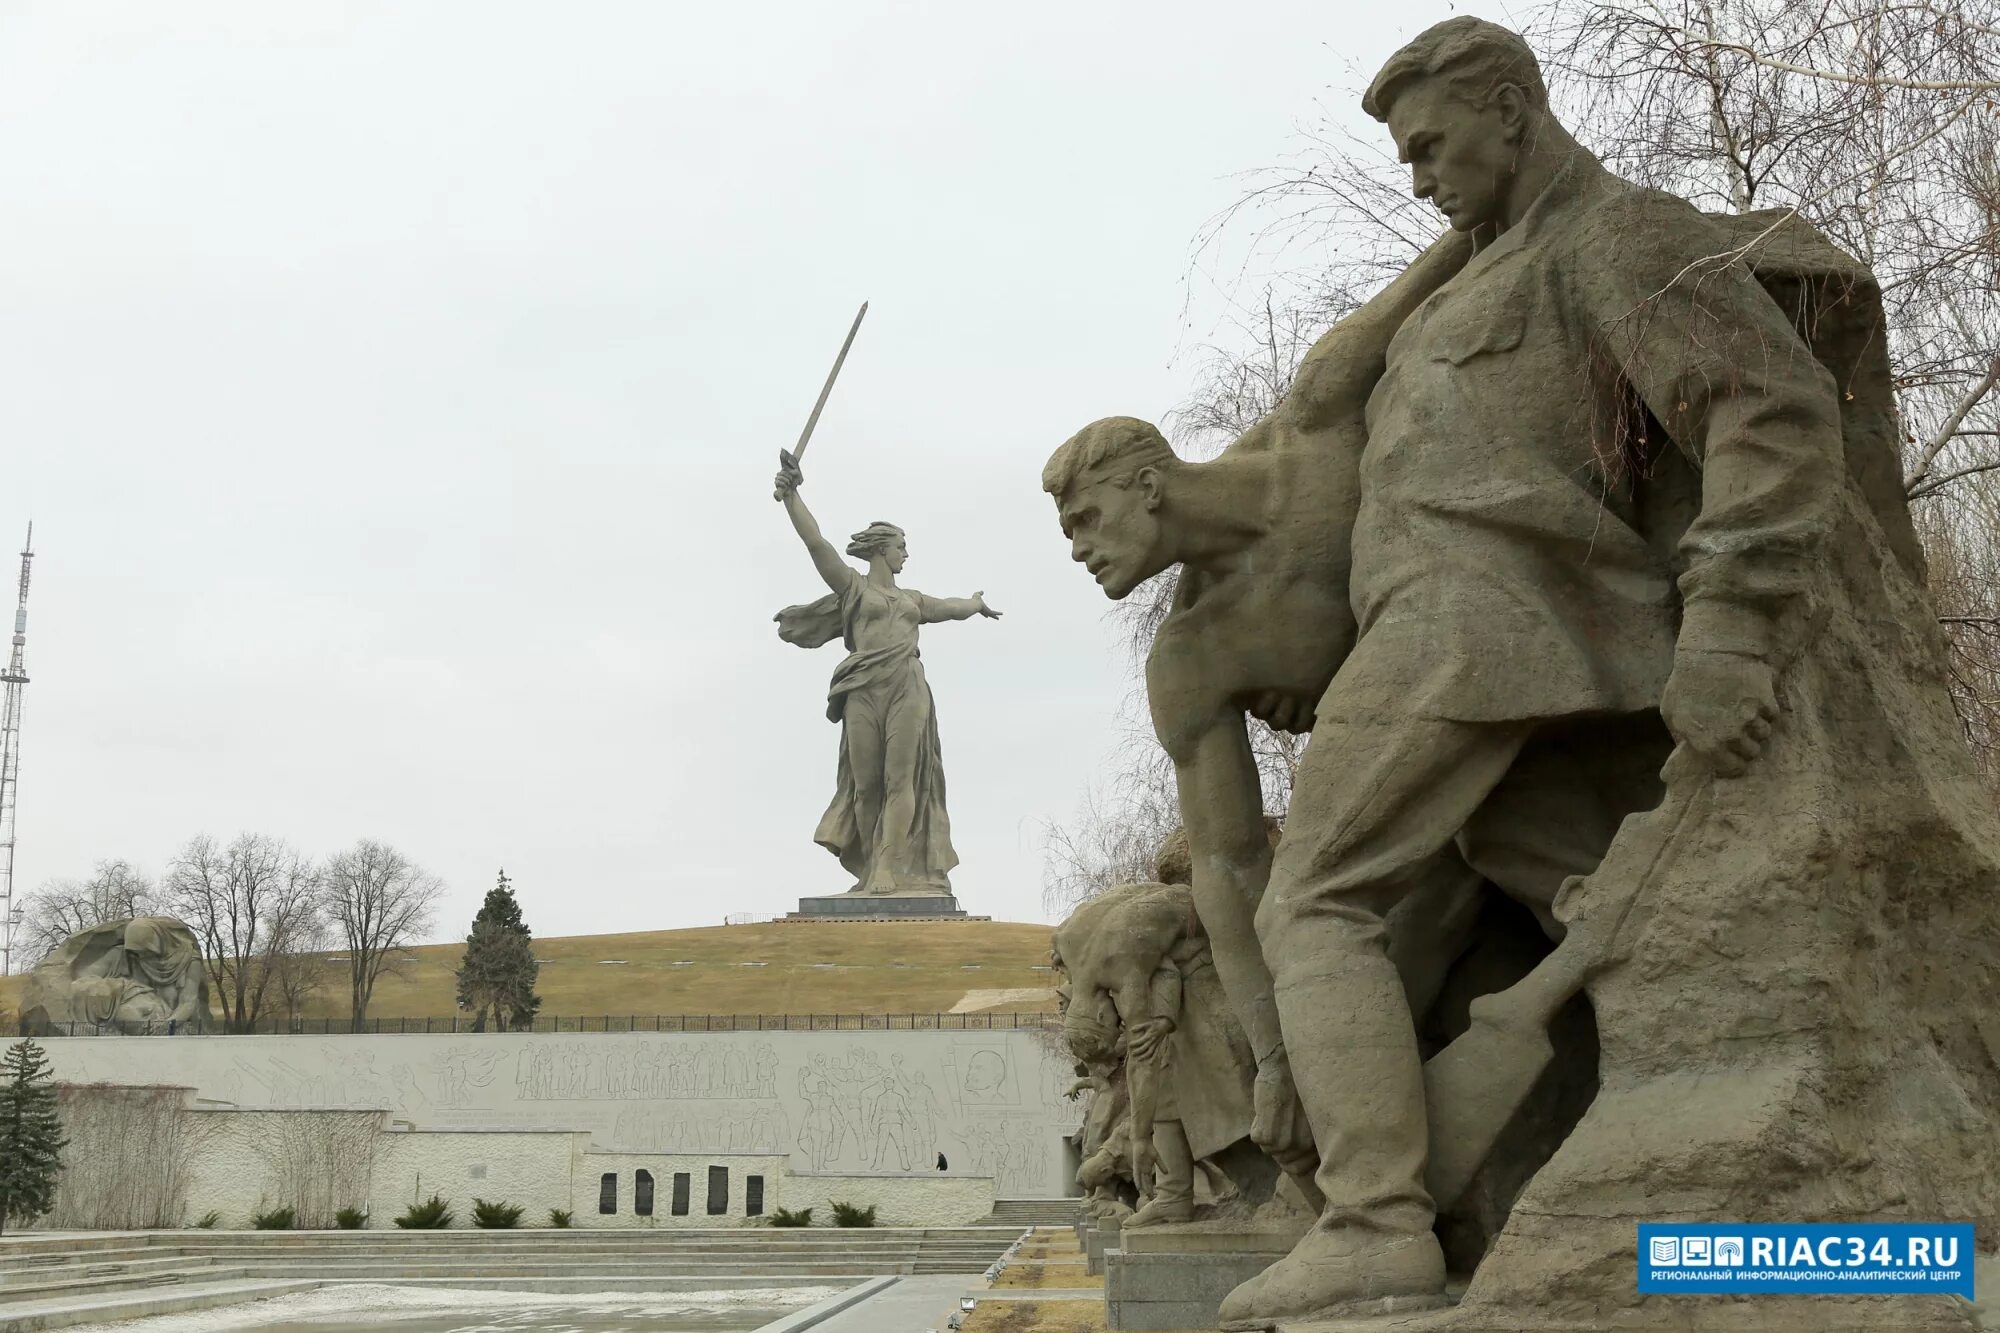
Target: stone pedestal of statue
x=1175 y=1276
x=1099 y=1234
x=880 y=907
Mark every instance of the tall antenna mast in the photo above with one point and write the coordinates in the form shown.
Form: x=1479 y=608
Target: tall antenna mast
x=15 y=677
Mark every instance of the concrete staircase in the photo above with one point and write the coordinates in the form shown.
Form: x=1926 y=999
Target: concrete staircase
x=51 y=1281
x=1030 y=1213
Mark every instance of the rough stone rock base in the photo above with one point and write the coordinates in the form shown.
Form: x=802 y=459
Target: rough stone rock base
x=1797 y=1024
x=1172 y=1278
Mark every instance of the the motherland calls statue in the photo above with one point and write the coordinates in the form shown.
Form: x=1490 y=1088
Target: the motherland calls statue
x=1625 y=483
x=137 y=976
x=887 y=822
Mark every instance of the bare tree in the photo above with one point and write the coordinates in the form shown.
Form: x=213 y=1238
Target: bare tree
x=380 y=903
x=1873 y=120
x=251 y=905
x=115 y=891
x=302 y=971
x=1114 y=838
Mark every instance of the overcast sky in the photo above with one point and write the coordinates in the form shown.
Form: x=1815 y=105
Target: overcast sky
x=395 y=389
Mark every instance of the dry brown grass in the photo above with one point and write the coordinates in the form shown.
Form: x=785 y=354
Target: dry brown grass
x=767 y=968
x=1030 y=1275
x=1036 y=1317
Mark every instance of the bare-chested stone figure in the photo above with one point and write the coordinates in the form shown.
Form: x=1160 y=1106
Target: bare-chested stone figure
x=1259 y=625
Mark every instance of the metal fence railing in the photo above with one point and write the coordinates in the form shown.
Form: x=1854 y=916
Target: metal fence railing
x=329 y=1027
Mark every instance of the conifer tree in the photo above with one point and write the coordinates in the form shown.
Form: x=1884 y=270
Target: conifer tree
x=31 y=1137
x=496 y=978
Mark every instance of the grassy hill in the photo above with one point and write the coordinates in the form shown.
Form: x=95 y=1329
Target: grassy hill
x=768 y=968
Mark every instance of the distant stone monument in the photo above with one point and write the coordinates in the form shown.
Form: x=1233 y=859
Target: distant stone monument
x=1635 y=631
x=887 y=822
x=138 y=976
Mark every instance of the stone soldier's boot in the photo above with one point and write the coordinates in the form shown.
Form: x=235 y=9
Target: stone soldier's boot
x=1354 y=1057
x=1173 y=1182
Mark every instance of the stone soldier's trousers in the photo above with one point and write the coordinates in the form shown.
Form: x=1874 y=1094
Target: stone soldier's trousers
x=1382 y=794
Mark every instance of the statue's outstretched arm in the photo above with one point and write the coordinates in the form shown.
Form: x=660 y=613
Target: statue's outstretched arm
x=935 y=609
x=832 y=569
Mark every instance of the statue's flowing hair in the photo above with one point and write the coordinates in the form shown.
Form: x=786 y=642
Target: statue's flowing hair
x=874 y=540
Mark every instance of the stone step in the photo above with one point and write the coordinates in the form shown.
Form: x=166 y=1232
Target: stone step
x=971 y=1258
x=576 y=1253
x=12 y=1280
x=484 y=1240
x=583 y=1236
x=68 y=1311
x=572 y=1286
x=1057 y=1211
x=331 y=1270
x=13 y=1274
x=59 y=1282
x=65 y=1244
x=519 y=1265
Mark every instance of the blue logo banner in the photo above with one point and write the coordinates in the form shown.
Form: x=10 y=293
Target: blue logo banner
x=1848 y=1259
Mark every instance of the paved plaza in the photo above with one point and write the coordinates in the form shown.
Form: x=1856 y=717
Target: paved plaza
x=355 y=1309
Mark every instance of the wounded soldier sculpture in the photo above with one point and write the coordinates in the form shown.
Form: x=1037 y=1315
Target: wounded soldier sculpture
x=1634 y=631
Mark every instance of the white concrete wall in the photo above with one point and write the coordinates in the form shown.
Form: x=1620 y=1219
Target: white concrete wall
x=242 y=1163
x=239 y=1163
x=938 y=1200
x=831 y=1102
x=899 y=1201
x=534 y=1170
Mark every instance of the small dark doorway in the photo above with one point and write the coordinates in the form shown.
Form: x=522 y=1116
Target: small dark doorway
x=642 y=1193
x=718 y=1190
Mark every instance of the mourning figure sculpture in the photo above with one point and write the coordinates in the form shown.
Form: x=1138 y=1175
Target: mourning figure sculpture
x=137 y=976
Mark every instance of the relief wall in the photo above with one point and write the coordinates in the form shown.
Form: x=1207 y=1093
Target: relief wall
x=892 y=1103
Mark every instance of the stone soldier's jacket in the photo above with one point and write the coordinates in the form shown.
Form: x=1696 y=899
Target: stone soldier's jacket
x=1528 y=543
